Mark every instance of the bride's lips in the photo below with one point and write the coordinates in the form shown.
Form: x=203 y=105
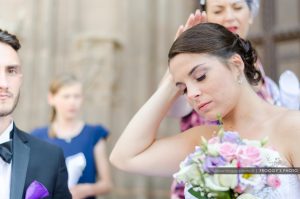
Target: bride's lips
x=204 y=106
x=232 y=28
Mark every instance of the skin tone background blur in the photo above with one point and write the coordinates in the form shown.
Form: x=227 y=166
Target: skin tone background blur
x=119 y=50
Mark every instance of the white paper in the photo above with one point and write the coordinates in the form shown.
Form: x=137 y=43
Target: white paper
x=75 y=166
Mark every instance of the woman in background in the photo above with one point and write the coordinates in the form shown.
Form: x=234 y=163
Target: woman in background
x=84 y=145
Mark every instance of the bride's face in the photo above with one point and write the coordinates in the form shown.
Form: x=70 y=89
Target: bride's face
x=210 y=85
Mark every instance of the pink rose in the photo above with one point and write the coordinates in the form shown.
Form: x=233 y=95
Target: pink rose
x=228 y=150
x=249 y=156
x=239 y=189
x=273 y=181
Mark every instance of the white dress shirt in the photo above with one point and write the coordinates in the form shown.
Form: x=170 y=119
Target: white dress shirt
x=5 y=168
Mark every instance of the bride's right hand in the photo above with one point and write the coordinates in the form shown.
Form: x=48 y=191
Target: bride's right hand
x=168 y=79
x=180 y=107
x=194 y=19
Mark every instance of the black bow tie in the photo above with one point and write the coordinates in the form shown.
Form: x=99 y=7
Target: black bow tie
x=5 y=151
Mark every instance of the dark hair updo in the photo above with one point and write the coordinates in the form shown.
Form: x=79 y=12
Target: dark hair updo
x=216 y=40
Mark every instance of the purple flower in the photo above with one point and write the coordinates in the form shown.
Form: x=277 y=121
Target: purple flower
x=212 y=162
x=231 y=136
x=36 y=190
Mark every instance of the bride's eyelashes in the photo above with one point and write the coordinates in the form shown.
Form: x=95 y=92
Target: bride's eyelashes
x=201 y=78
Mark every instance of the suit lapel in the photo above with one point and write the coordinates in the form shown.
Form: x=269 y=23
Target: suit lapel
x=21 y=153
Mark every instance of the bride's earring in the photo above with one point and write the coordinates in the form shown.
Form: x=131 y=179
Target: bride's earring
x=239 y=79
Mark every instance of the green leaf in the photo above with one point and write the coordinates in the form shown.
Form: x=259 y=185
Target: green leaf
x=219 y=118
x=220 y=194
x=264 y=141
x=224 y=195
x=197 y=194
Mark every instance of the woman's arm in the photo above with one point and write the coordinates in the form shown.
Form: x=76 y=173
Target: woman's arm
x=138 y=150
x=104 y=183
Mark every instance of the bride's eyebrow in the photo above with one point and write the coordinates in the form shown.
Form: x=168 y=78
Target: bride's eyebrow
x=201 y=66
x=195 y=67
x=237 y=1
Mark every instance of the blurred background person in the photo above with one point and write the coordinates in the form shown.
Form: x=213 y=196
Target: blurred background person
x=84 y=145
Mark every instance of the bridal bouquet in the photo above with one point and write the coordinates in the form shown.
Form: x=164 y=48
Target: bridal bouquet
x=227 y=167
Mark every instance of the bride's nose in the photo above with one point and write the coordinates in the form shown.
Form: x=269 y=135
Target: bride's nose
x=193 y=93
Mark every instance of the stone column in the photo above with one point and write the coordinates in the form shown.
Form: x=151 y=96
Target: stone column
x=94 y=62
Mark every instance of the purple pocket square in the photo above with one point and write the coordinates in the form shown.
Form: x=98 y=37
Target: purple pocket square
x=36 y=190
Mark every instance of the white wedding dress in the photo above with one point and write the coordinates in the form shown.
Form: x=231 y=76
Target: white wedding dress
x=288 y=189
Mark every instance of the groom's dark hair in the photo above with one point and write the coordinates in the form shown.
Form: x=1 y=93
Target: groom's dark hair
x=9 y=39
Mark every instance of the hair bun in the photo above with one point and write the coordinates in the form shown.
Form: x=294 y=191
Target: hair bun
x=249 y=56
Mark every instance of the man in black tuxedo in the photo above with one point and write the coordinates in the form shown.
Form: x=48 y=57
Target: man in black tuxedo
x=27 y=165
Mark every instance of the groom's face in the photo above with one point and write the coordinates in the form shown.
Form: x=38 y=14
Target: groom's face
x=10 y=79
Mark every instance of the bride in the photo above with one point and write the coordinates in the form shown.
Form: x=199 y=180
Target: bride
x=214 y=68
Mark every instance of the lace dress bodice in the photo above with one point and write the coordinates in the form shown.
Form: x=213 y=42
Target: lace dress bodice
x=289 y=183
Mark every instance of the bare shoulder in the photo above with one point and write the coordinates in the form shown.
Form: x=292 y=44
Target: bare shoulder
x=289 y=121
x=286 y=124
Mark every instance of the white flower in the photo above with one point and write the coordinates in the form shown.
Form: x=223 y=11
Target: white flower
x=247 y=196
x=213 y=184
x=212 y=149
x=228 y=180
x=189 y=173
x=253 y=182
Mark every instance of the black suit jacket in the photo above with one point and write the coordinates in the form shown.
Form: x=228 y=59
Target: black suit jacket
x=34 y=159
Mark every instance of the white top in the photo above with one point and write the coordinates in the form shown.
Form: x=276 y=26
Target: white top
x=5 y=168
